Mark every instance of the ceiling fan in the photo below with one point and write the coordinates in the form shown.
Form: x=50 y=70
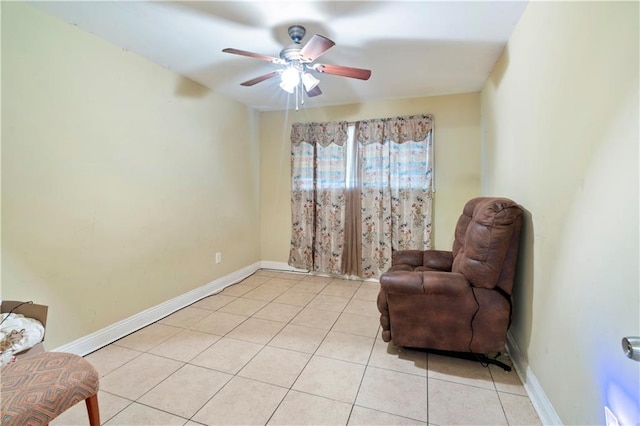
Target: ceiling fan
x=297 y=67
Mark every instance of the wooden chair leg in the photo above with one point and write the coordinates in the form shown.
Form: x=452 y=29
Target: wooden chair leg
x=93 y=410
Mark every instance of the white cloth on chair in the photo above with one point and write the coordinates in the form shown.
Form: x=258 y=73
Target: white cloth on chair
x=32 y=335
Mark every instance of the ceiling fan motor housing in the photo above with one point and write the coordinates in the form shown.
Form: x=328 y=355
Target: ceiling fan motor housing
x=291 y=52
x=297 y=32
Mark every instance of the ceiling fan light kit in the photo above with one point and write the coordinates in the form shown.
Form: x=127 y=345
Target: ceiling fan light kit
x=290 y=79
x=297 y=73
x=309 y=81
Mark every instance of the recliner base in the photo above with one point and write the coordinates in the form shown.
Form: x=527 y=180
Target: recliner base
x=482 y=358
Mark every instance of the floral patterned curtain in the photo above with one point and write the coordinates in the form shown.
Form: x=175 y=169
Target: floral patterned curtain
x=318 y=176
x=353 y=229
x=395 y=179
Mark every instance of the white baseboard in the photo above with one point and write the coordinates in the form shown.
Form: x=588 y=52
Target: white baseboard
x=113 y=332
x=107 y=335
x=541 y=403
x=280 y=266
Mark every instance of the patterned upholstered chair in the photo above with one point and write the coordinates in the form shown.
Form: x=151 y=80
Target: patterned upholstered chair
x=456 y=301
x=37 y=389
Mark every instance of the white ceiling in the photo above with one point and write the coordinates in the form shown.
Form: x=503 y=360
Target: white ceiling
x=414 y=48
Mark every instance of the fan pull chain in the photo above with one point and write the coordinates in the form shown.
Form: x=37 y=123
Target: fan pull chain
x=297 y=97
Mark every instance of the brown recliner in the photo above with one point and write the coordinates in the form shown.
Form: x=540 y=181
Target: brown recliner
x=457 y=300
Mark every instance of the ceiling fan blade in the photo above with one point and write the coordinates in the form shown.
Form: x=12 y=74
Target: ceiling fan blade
x=315 y=47
x=260 y=79
x=314 y=92
x=253 y=55
x=358 y=73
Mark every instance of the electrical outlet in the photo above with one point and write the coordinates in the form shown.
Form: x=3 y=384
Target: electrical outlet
x=218 y=257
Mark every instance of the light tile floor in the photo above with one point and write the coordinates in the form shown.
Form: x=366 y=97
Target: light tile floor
x=291 y=349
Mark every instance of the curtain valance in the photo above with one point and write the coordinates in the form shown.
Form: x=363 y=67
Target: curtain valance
x=320 y=133
x=397 y=129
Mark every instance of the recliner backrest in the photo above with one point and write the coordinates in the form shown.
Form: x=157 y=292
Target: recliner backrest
x=486 y=242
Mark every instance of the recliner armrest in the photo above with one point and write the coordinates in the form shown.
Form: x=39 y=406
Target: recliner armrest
x=424 y=282
x=407 y=257
x=402 y=282
x=445 y=283
x=441 y=260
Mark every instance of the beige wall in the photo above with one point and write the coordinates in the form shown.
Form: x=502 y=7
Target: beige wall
x=560 y=136
x=457 y=160
x=120 y=180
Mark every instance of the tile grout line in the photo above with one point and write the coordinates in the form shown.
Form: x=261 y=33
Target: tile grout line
x=249 y=361
x=364 y=373
x=308 y=361
x=263 y=346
